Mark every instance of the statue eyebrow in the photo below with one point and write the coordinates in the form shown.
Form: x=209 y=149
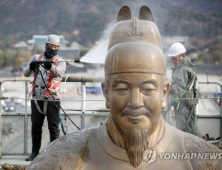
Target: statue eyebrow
x=152 y=81
x=118 y=80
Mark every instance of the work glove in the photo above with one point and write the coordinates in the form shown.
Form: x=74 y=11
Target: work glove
x=48 y=66
x=32 y=66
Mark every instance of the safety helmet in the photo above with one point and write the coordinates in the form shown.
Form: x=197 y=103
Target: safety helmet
x=176 y=49
x=53 y=39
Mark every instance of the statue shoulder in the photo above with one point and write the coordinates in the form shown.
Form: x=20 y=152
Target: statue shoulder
x=204 y=154
x=63 y=153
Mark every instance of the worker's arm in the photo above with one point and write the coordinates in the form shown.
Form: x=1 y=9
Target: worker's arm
x=59 y=69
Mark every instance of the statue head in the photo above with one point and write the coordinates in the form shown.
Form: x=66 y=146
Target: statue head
x=135 y=68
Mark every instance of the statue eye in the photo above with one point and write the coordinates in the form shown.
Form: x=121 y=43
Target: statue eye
x=122 y=88
x=148 y=89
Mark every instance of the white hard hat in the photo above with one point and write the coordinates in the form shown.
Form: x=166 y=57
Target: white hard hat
x=53 y=39
x=176 y=49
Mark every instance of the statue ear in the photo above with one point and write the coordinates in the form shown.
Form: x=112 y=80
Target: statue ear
x=105 y=92
x=124 y=14
x=146 y=14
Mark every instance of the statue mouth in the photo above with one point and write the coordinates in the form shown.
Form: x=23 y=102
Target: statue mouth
x=135 y=115
x=135 y=112
x=135 y=119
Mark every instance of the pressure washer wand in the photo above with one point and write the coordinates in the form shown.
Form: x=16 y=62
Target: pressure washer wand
x=46 y=61
x=38 y=63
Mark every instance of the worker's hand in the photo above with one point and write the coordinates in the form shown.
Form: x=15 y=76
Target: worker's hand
x=48 y=65
x=32 y=66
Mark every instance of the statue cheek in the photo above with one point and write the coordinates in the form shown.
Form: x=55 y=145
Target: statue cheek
x=119 y=102
x=152 y=103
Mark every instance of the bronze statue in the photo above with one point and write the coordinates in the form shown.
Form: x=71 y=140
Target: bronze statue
x=135 y=136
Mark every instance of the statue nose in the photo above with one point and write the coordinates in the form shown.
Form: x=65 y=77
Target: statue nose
x=136 y=99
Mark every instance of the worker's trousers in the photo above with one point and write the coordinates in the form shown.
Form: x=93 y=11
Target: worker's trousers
x=37 y=119
x=182 y=116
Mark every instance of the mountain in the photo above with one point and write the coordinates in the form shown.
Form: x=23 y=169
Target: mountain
x=84 y=21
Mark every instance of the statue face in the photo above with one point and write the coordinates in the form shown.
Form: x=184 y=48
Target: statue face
x=135 y=99
x=134 y=92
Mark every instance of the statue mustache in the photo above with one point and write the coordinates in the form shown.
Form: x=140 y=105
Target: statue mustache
x=133 y=111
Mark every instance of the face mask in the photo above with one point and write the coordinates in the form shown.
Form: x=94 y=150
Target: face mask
x=50 y=53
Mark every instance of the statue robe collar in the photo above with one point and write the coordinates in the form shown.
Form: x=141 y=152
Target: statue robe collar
x=115 y=148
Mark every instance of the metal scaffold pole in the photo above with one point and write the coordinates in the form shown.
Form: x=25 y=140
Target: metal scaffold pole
x=83 y=89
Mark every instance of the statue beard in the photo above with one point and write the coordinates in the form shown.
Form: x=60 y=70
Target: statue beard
x=136 y=140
